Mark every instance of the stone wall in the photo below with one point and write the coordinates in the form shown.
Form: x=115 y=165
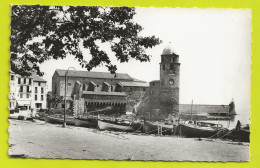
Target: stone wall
x=136 y=101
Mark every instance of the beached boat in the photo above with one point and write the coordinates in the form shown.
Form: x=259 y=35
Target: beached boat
x=239 y=133
x=118 y=126
x=157 y=128
x=199 y=129
x=86 y=122
x=59 y=120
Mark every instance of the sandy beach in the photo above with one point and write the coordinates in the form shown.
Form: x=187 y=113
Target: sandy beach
x=42 y=140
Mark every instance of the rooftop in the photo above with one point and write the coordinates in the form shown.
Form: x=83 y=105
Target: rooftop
x=37 y=78
x=92 y=74
x=135 y=84
x=103 y=93
x=168 y=50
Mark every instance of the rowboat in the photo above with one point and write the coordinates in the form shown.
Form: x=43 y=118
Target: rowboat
x=86 y=122
x=199 y=129
x=157 y=128
x=59 y=120
x=117 y=126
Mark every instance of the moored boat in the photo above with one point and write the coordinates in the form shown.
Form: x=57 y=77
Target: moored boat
x=86 y=122
x=59 y=120
x=239 y=133
x=199 y=129
x=117 y=126
x=157 y=128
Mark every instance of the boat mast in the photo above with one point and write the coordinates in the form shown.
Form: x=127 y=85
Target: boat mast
x=191 y=109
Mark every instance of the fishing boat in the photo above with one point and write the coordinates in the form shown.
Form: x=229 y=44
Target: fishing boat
x=193 y=129
x=118 y=126
x=55 y=119
x=86 y=122
x=160 y=128
x=239 y=133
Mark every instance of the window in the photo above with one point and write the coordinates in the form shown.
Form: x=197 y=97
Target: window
x=84 y=87
x=63 y=106
x=55 y=88
x=35 y=97
x=36 y=89
x=41 y=97
x=21 y=88
x=163 y=67
x=19 y=80
x=21 y=95
x=28 y=89
x=24 y=80
x=171 y=66
x=42 y=90
x=27 y=95
x=30 y=81
x=39 y=83
x=144 y=89
x=12 y=77
x=162 y=59
x=111 y=88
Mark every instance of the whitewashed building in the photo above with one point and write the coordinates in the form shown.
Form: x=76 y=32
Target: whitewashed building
x=27 y=93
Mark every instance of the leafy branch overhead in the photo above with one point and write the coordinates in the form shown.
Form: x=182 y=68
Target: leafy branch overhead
x=66 y=30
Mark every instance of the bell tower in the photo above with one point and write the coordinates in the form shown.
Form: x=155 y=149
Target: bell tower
x=169 y=82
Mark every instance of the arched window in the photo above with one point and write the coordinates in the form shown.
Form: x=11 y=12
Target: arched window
x=163 y=67
x=84 y=87
x=171 y=66
x=112 y=88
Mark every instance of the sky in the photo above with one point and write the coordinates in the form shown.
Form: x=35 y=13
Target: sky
x=214 y=47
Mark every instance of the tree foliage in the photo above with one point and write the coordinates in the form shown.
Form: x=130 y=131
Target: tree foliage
x=63 y=29
x=54 y=99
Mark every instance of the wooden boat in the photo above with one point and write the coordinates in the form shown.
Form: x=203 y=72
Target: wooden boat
x=199 y=130
x=117 y=126
x=157 y=128
x=239 y=133
x=86 y=122
x=59 y=120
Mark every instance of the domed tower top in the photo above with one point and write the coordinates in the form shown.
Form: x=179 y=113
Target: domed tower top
x=168 y=50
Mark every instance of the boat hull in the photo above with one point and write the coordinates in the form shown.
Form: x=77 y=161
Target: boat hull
x=239 y=135
x=195 y=132
x=152 y=128
x=89 y=122
x=106 y=125
x=59 y=120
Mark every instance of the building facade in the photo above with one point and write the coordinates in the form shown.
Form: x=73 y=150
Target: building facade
x=100 y=90
x=164 y=93
x=23 y=90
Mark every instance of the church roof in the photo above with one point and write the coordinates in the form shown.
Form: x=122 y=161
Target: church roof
x=92 y=74
x=168 y=50
x=135 y=84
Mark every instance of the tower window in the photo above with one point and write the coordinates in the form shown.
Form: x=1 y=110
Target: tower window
x=163 y=67
x=162 y=59
x=171 y=66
